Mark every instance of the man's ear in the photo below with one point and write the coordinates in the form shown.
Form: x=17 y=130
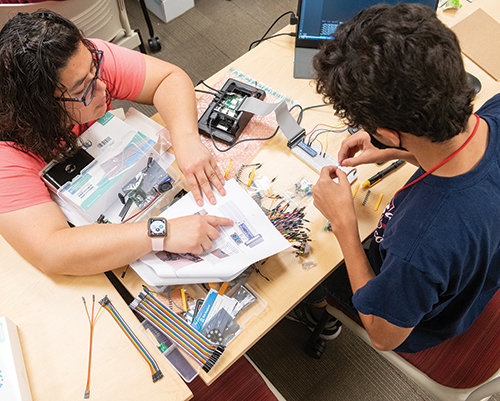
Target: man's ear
x=390 y=136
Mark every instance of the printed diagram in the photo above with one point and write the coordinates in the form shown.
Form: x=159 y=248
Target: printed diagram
x=230 y=241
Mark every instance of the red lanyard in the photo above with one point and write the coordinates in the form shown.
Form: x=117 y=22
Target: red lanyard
x=445 y=160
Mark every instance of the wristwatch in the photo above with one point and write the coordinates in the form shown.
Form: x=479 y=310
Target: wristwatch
x=157 y=231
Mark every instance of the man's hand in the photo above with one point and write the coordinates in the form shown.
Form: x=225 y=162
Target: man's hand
x=193 y=234
x=359 y=142
x=200 y=169
x=334 y=200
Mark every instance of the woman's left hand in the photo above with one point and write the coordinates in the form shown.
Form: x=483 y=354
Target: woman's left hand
x=200 y=169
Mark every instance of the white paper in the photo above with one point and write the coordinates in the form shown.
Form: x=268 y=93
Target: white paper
x=250 y=239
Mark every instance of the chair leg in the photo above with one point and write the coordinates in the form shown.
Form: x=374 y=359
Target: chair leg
x=315 y=346
x=142 y=48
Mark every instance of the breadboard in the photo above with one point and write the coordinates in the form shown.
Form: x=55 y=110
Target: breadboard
x=312 y=157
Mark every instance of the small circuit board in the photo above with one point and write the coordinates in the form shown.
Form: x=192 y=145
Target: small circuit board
x=222 y=120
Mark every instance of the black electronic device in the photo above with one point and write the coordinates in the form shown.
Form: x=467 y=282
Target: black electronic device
x=475 y=82
x=318 y=21
x=222 y=119
x=56 y=174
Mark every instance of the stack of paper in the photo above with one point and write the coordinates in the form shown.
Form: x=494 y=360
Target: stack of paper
x=250 y=239
x=14 y=384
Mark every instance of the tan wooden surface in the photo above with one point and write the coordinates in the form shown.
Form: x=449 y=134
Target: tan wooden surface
x=54 y=333
x=271 y=63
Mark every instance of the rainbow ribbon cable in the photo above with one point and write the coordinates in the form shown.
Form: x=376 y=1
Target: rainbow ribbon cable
x=177 y=330
x=155 y=369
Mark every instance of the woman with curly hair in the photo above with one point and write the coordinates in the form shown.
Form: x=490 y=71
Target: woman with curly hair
x=54 y=84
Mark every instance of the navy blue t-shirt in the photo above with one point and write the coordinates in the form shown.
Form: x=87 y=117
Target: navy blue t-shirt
x=436 y=250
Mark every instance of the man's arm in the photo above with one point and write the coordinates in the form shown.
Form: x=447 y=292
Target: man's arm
x=335 y=202
x=383 y=335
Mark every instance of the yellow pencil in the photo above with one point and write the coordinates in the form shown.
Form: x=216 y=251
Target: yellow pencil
x=223 y=288
x=250 y=179
x=378 y=202
x=184 y=303
x=355 y=190
x=228 y=168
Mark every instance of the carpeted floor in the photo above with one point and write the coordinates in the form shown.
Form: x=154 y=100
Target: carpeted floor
x=348 y=370
x=202 y=41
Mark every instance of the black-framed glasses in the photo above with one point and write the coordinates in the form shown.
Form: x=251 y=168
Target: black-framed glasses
x=89 y=93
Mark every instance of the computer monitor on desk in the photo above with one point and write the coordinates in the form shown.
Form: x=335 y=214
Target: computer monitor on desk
x=318 y=20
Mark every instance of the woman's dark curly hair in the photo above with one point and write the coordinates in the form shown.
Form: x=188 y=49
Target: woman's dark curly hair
x=34 y=48
x=396 y=67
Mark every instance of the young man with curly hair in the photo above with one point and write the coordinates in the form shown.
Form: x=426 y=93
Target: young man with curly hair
x=434 y=261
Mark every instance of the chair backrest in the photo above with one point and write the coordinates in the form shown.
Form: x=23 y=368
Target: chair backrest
x=103 y=19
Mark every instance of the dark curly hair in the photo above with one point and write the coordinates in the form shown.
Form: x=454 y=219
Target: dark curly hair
x=396 y=67
x=34 y=48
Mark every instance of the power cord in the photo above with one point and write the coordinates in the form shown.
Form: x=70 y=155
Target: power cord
x=293 y=21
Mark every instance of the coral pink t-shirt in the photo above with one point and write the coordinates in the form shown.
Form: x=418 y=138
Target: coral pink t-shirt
x=20 y=182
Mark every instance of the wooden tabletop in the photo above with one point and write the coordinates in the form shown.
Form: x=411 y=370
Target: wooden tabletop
x=271 y=63
x=54 y=333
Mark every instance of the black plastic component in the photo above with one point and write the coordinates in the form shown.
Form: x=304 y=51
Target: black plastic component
x=64 y=171
x=154 y=44
x=142 y=48
x=222 y=120
x=164 y=186
x=352 y=130
x=475 y=82
x=297 y=139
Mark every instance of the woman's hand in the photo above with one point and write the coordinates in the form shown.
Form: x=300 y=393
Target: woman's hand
x=200 y=169
x=193 y=234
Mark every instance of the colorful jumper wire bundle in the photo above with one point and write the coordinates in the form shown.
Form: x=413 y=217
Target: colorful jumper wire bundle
x=291 y=225
x=155 y=369
x=174 y=327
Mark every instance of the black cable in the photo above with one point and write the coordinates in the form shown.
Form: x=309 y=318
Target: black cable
x=216 y=94
x=209 y=87
x=271 y=27
x=245 y=140
x=271 y=37
x=237 y=142
x=299 y=118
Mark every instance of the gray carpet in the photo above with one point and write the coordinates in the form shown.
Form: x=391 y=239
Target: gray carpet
x=209 y=36
x=202 y=41
x=348 y=370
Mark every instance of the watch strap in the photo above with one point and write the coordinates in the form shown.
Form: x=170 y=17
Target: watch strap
x=157 y=243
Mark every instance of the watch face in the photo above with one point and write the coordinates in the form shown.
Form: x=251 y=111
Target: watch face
x=157 y=227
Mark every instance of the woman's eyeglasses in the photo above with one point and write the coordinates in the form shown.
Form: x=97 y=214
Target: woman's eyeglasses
x=89 y=93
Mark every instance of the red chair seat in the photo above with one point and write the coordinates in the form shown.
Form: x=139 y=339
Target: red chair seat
x=465 y=361
x=469 y=359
